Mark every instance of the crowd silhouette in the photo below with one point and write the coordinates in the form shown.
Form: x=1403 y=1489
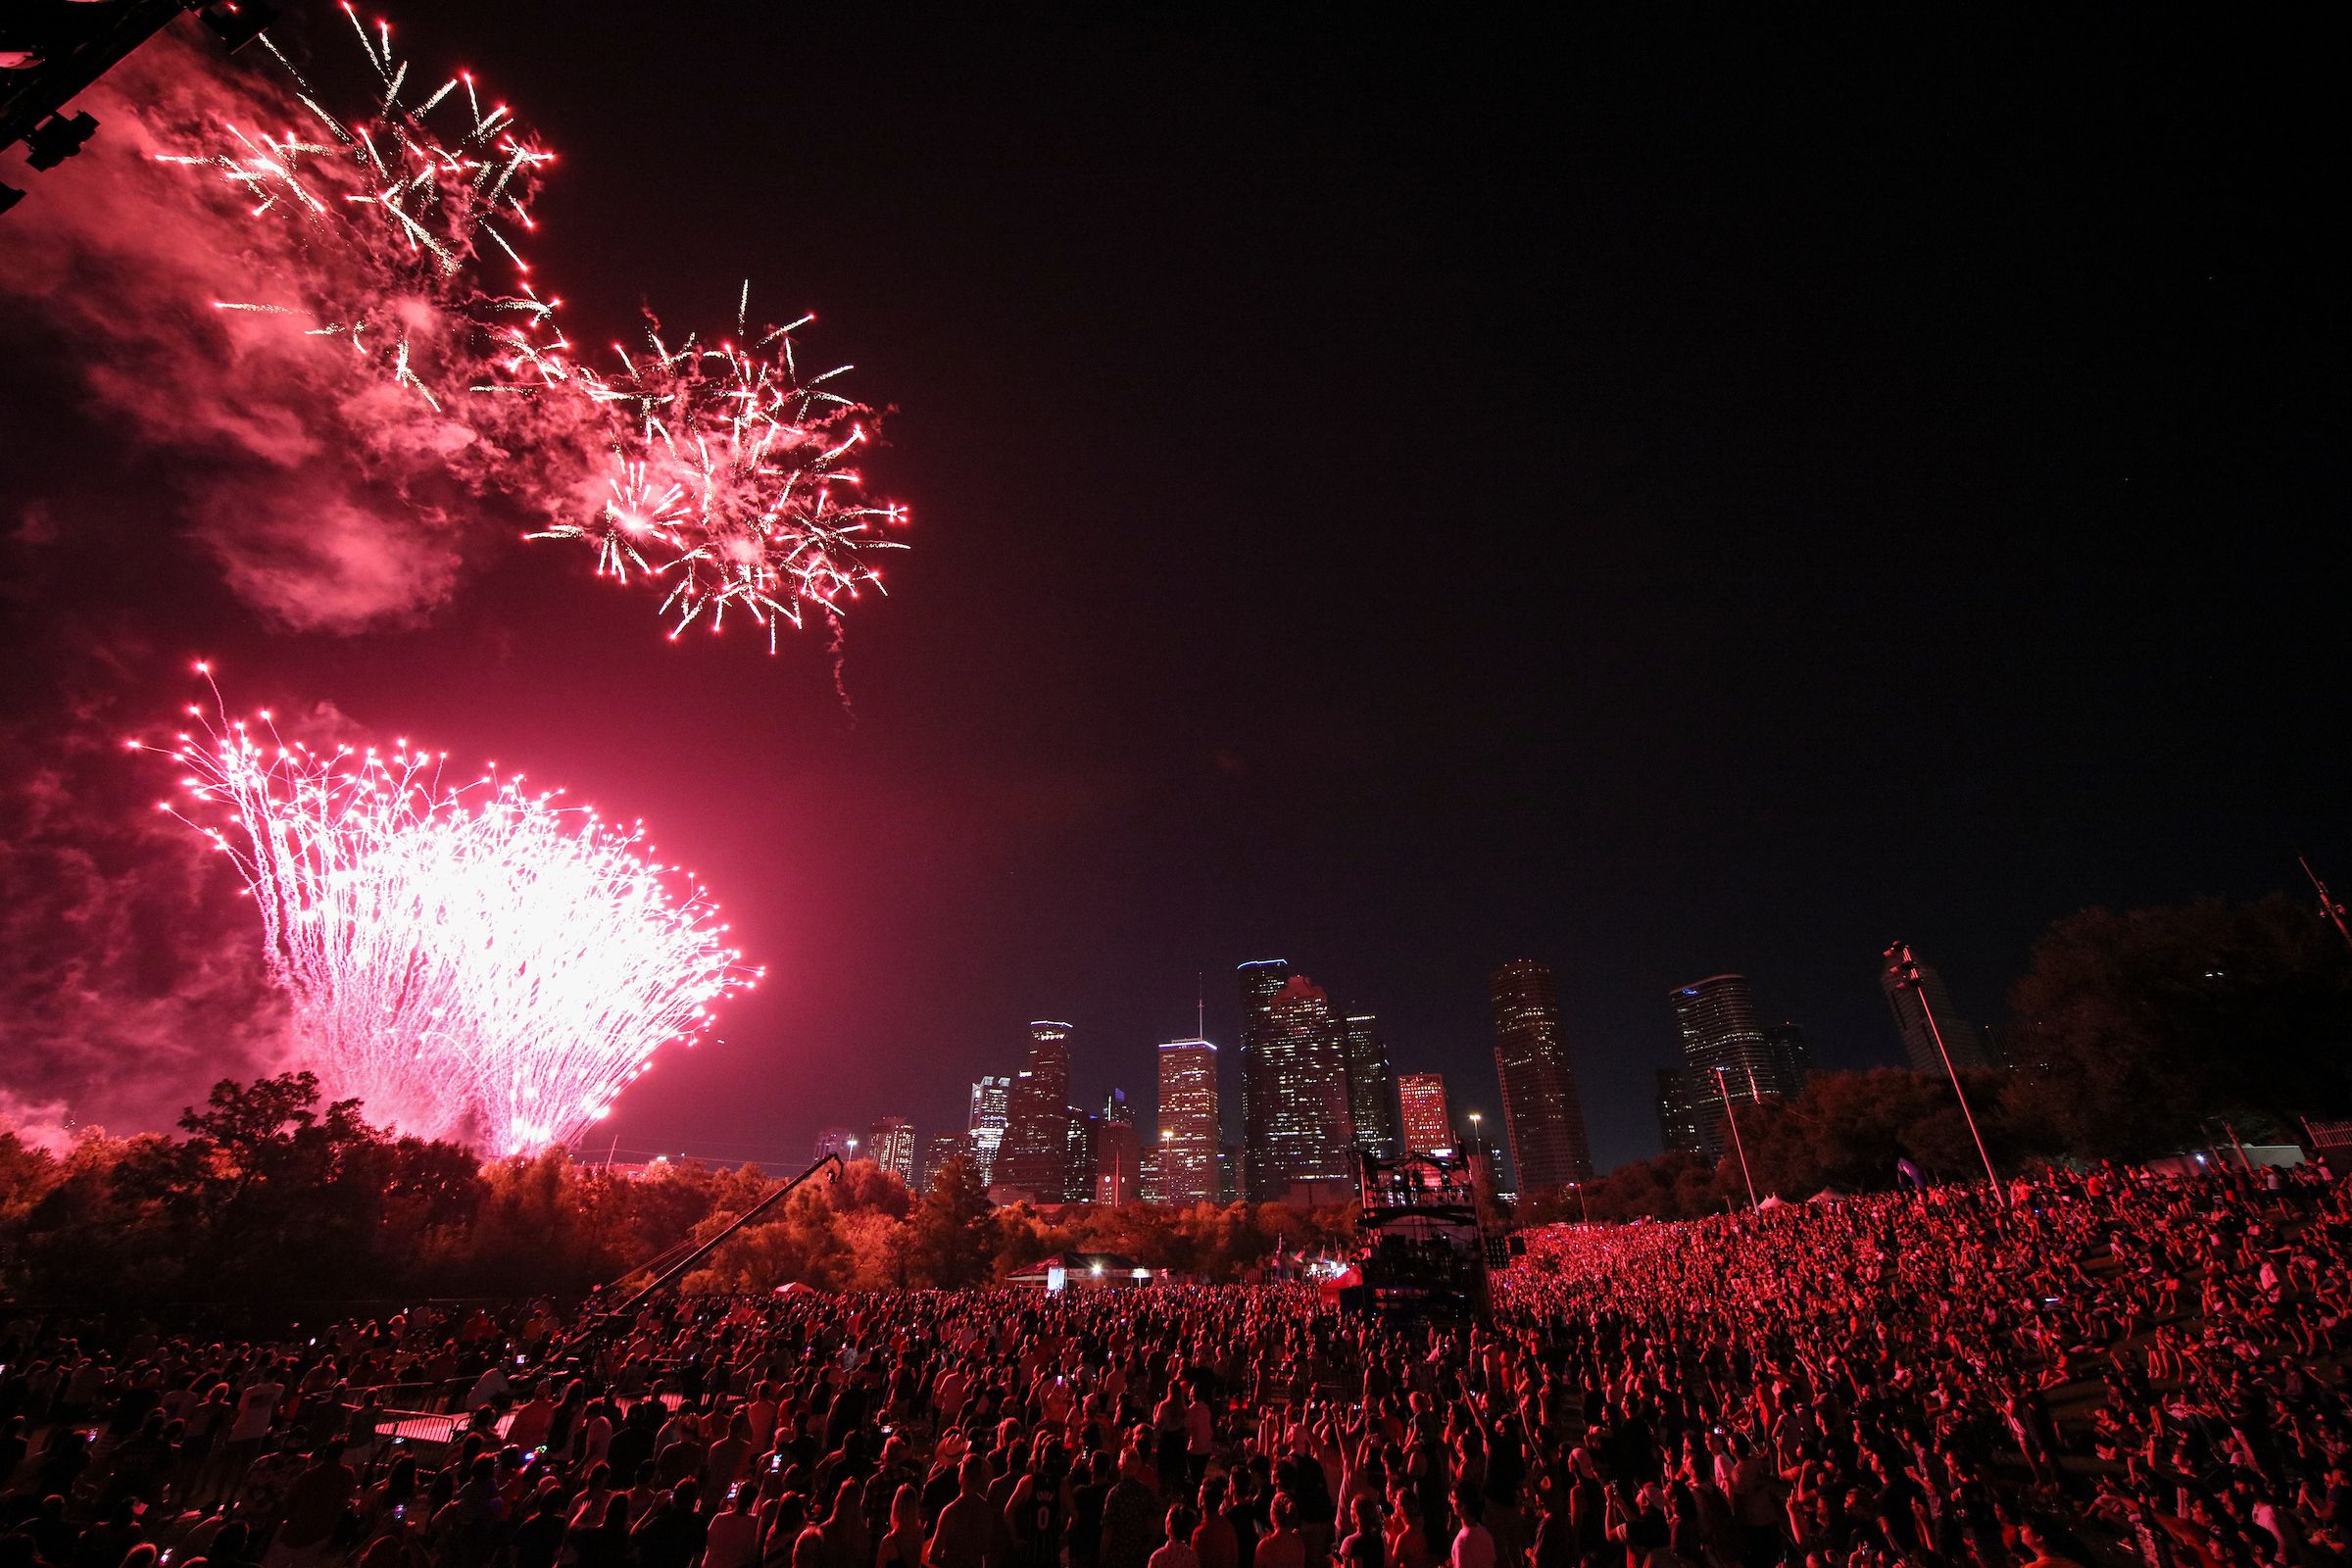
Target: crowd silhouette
x=2099 y=1367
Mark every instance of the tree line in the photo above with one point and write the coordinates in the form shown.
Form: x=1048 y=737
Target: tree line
x=272 y=1196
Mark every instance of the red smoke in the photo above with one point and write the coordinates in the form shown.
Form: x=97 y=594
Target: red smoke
x=333 y=497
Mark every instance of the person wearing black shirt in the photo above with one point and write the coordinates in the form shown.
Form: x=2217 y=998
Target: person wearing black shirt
x=540 y=1536
x=1086 y=1513
x=672 y=1535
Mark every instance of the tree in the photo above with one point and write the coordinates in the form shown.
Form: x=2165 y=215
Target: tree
x=1847 y=1130
x=1675 y=1185
x=865 y=1185
x=27 y=1173
x=951 y=1237
x=2134 y=1028
x=265 y=1174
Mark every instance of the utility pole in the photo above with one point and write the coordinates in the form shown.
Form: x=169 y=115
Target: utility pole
x=1724 y=1089
x=1905 y=969
x=2244 y=1164
x=2333 y=910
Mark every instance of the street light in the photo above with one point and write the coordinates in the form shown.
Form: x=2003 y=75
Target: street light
x=1905 y=970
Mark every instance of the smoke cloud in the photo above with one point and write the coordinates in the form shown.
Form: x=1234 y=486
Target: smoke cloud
x=332 y=498
x=129 y=956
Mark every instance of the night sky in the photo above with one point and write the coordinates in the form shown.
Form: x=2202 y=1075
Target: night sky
x=1394 y=498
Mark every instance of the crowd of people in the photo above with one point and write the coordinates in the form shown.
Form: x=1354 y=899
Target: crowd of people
x=2091 y=1368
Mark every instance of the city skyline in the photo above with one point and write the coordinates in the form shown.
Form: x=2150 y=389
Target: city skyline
x=1335 y=1059
x=1675 y=1115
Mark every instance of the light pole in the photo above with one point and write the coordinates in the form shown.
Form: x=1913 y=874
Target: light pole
x=1724 y=1089
x=2243 y=1162
x=1905 y=969
x=2333 y=910
x=1583 y=1207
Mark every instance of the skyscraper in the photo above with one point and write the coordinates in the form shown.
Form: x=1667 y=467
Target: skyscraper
x=1371 y=1087
x=1258 y=980
x=1688 y=1116
x=1035 y=1159
x=991 y=1109
x=1428 y=1121
x=1541 y=1113
x=938 y=1149
x=1188 y=1122
x=1963 y=1039
x=1791 y=1056
x=1299 y=1133
x=1151 y=1182
x=1084 y=1131
x=835 y=1141
x=890 y=1144
x=1117 y=1173
x=1717 y=1016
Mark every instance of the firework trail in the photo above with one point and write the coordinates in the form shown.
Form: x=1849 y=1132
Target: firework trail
x=477 y=962
x=722 y=475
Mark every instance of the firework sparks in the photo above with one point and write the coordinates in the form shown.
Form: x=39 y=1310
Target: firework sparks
x=732 y=479
x=398 y=213
x=477 y=962
x=723 y=475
